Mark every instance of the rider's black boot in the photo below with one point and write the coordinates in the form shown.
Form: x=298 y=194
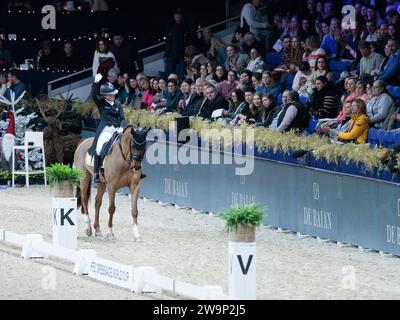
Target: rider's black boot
x=96 y=169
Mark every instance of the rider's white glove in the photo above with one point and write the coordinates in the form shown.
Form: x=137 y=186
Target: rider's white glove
x=97 y=78
x=120 y=130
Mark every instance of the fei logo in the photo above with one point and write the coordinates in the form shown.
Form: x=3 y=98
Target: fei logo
x=49 y=21
x=349 y=20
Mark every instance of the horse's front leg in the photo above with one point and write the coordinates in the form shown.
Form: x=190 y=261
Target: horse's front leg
x=101 y=189
x=134 y=200
x=111 y=210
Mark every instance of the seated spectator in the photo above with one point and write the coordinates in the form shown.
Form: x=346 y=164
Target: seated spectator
x=238 y=37
x=358 y=130
x=393 y=31
x=371 y=31
x=268 y=85
x=333 y=128
x=256 y=113
x=296 y=52
x=361 y=90
x=349 y=45
x=306 y=31
x=293 y=116
x=227 y=87
x=172 y=100
x=237 y=104
x=378 y=106
x=322 y=69
x=242 y=109
x=370 y=61
x=391 y=73
x=3 y=83
x=186 y=88
x=196 y=100
x=161 y=94
x=286 y=52
x=302 y=82
x=250 y=42
x=245 y=81
x=324 y=102
x=209 y=44
x=124 y=92
x=383 y=37
x=147 y=97
x=236 y=61
x=211 y=68
x=214 y=101
x=256 y=79
x=135 y=99
x=69 y=60
x=269 y=104
x=16 y=85
x=273 y=114
x=330 y=43
x=103 y=59
x=220 y=75
x=313 y=51
x=256 y=63
x=351 y=89
x=48 y=60
x=193 y=56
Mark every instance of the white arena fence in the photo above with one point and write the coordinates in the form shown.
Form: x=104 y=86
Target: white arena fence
x=139 y=280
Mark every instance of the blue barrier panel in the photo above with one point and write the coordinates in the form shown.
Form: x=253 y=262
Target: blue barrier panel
x=330 y=205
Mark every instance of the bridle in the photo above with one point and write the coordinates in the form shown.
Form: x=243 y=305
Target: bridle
x=133 y=144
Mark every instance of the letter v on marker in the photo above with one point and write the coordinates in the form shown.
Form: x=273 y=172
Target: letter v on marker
x=245 y=270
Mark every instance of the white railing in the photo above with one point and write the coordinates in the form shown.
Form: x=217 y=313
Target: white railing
x=144 y=278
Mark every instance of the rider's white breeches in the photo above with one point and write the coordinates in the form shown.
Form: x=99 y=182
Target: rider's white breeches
x=105 y=136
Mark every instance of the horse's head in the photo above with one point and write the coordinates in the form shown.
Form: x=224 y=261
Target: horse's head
x=139 y=143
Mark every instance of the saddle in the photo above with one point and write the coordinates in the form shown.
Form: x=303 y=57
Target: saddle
x=105 y=151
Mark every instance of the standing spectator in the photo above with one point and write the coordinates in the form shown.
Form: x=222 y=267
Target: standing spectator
x=177 y=40
x=236 y=61
x=126 y=55
x=250 y=19
x=103 y=59
x=69 y=60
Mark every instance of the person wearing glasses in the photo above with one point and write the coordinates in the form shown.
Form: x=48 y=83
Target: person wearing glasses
x=378 y=106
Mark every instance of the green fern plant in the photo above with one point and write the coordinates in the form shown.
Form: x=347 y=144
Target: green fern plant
x=249 y=215
x=57 y=173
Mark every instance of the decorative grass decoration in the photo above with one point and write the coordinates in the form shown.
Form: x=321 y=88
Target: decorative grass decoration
x=247 y=215
x=58 y=173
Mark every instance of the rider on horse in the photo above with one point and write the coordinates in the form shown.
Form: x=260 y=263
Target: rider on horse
x=112 y=119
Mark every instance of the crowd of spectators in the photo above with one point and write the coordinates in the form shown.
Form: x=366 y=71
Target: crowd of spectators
x=233 y=84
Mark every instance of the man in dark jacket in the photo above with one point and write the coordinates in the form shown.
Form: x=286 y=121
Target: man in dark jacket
x=112 y=119
x=196 y=101
x=127 y=57
x=213 y=102
x=294 y=115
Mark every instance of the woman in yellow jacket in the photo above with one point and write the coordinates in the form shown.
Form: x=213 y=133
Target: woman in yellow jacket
x=358 y=130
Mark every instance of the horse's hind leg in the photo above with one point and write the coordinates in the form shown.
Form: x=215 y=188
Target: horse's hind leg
x=134 y=211
x=111 y=210
x=101 y=188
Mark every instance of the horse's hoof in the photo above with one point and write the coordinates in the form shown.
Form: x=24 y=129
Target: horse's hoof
x=89 y=232
x=98 y=234
x=110 y=237
x=138 y=239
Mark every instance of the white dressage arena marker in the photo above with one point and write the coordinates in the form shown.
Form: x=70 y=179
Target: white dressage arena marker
x=64 y=221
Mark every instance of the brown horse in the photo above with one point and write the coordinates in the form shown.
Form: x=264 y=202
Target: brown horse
x=122 y=168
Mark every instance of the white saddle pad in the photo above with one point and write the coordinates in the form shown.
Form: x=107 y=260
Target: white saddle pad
x=90 y=161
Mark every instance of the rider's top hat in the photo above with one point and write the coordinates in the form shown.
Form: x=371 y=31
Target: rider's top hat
x=108 y=89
